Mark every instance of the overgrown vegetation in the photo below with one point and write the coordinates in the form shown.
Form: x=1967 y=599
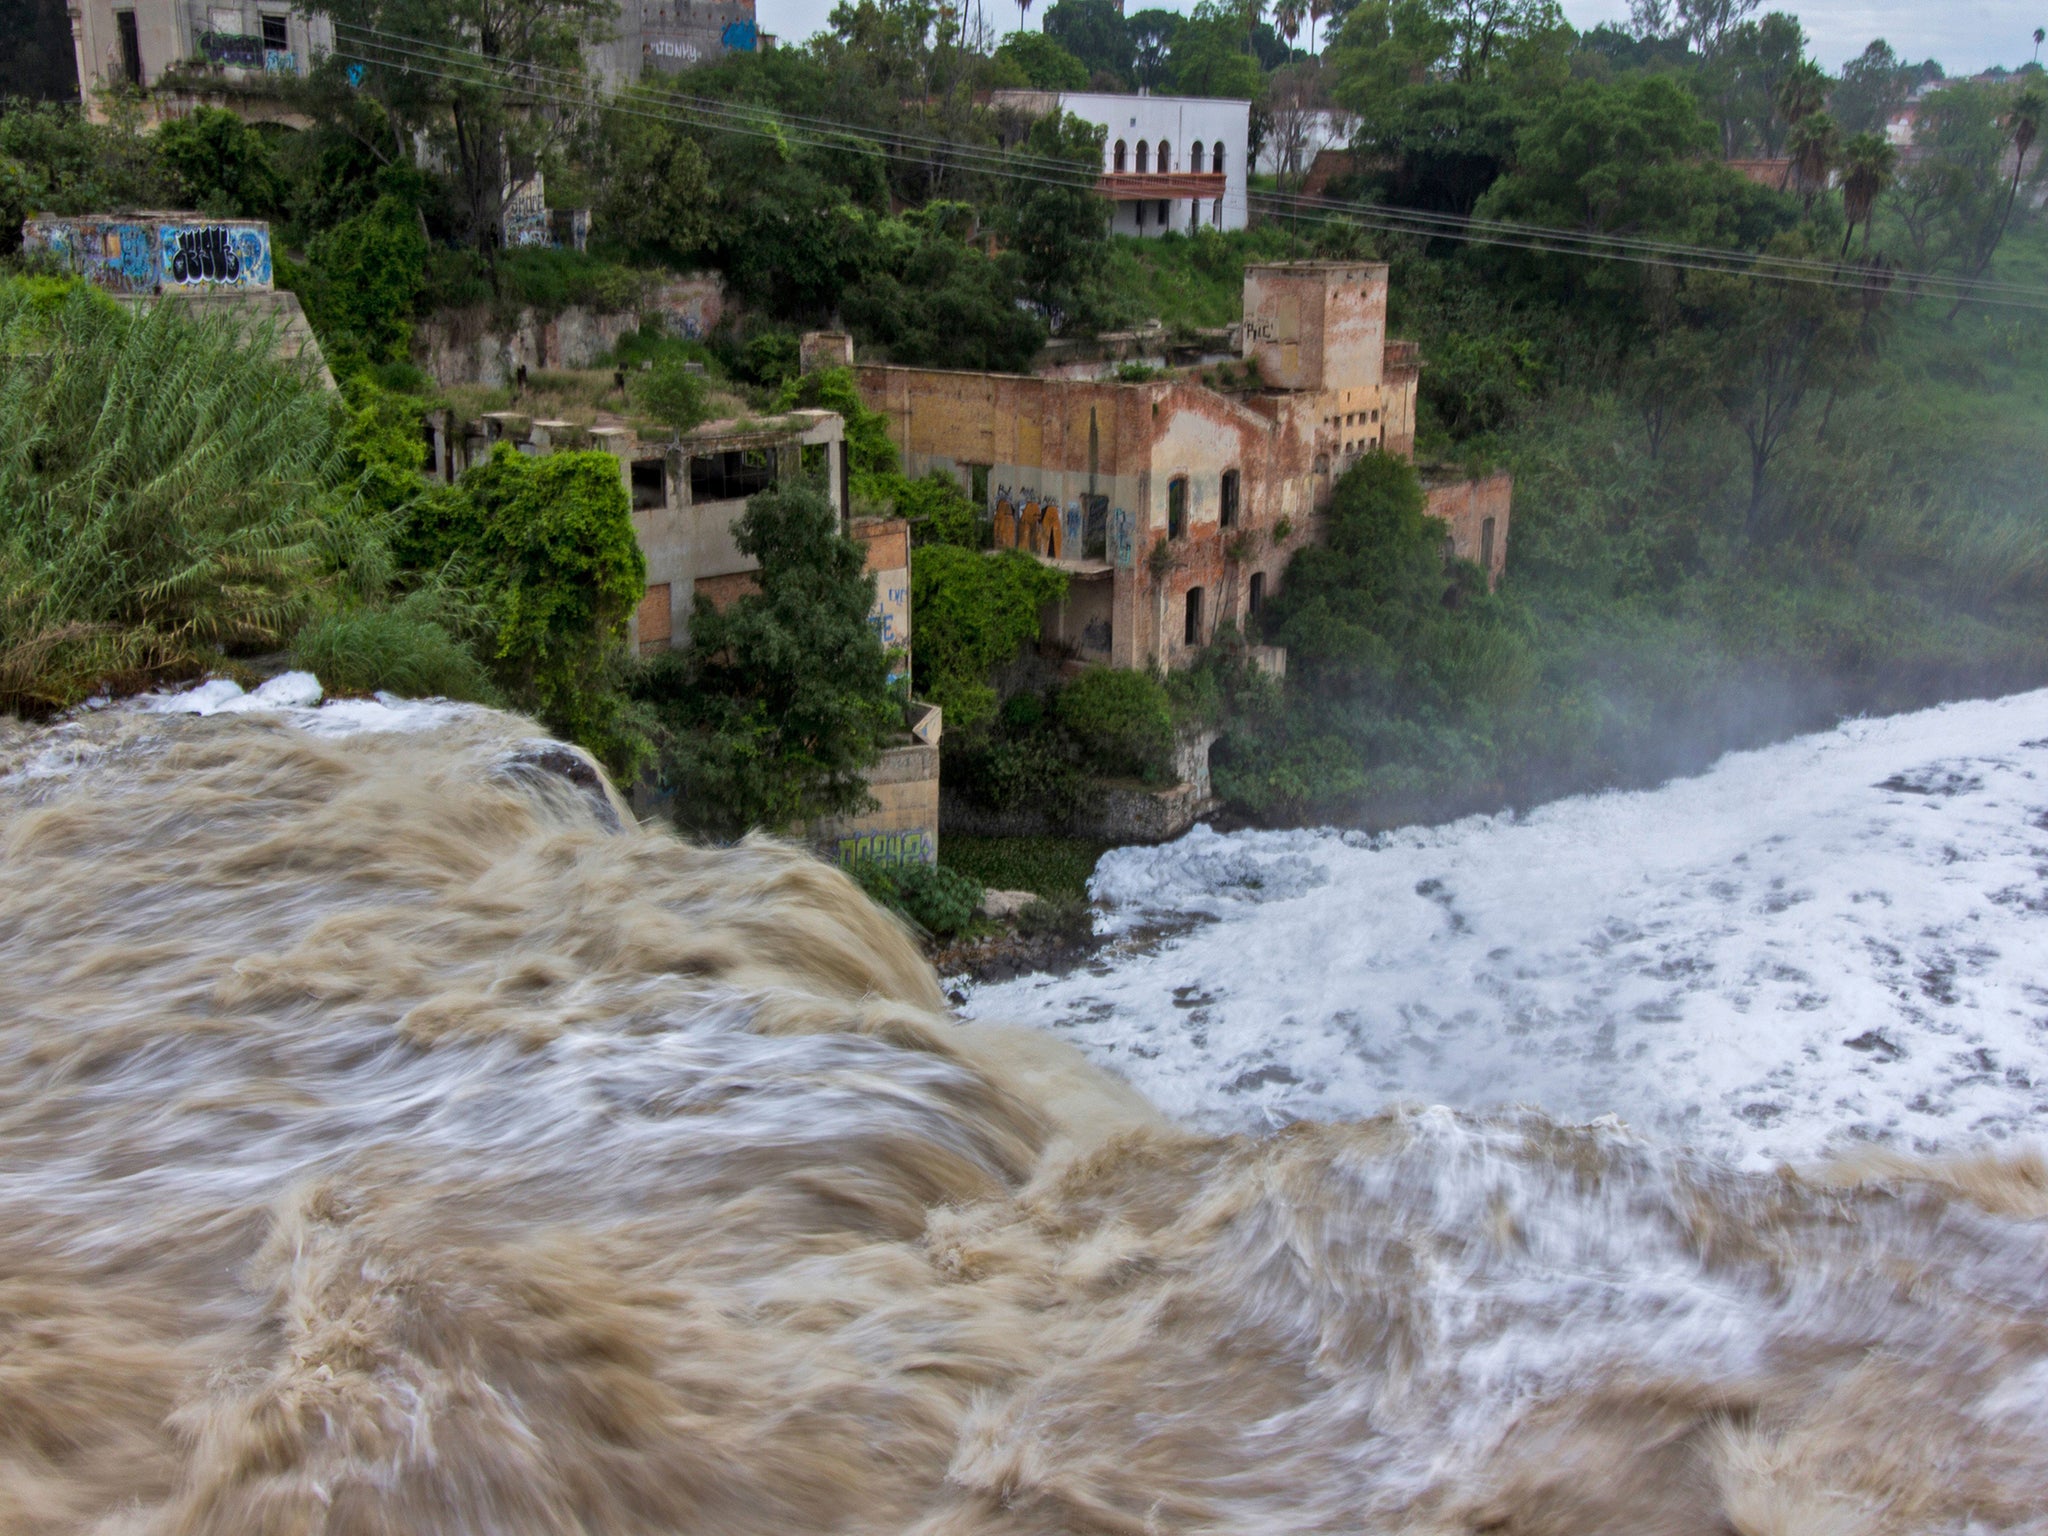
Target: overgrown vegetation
x=1742 y=507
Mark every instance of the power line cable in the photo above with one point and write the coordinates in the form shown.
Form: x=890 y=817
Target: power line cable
x=552 y=86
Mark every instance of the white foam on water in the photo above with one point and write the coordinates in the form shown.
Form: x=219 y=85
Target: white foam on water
x=1836 y=938
x=298 y=696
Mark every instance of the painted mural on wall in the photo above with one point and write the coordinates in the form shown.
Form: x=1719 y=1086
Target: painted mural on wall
x=126 y=255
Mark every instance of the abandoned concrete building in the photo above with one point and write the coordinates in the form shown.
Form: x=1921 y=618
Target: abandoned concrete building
x=1174 y=504
x=686 y=494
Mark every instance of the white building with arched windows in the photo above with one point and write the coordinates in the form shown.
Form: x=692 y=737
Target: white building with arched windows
x=1168 y=162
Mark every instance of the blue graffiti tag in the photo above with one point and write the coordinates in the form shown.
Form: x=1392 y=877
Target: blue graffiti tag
x=1122 y=536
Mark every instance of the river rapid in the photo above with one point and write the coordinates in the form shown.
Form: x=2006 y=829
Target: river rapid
x=396 y=1138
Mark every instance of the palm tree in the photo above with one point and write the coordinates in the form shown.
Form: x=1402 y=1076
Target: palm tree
x=1803 y=92
x=1868 y=164
x=2023 y=121
x=1023 y=10
x=1317 y=10
x=1287 y=16
x=2040 y=37
x=1813 y=146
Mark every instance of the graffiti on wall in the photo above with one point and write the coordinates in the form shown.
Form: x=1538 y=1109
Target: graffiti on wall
x=232 y=48
x=126 y=257
x=526 y=219
x=889 y=849
x=1123 y=537
x=890 y=619
x=1025 y=520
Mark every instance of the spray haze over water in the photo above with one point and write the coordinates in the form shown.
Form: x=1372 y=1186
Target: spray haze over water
x=393 y=1137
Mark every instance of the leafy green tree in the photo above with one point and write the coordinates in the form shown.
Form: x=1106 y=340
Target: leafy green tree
x=1042 y=63
x=67 y=164
x=476 y=118
x=655 y=188
x=672 y=395
x=549 y=542
x=1123 y=722
x=1346 y=600
x=1212 y=57
x=974 y=612
x=1093 y=31
x=1153 y=33
x=1442 y=88
x=361 y=283
x=1776 y=343
x=1873 y=86
x=1060 y=233
x=1739 y=76
x=220 y=163
x=937 y=301
x=782 y=699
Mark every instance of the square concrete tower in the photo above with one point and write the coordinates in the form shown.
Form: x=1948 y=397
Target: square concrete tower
x=1316 y=325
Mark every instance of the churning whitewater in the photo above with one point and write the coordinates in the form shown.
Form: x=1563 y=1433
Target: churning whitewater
x=1834 y=941
x=394 y=1137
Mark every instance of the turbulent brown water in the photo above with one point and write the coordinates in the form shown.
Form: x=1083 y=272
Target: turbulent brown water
x=393 y=1138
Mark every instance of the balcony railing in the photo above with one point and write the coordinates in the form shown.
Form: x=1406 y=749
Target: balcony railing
x=1143 y=186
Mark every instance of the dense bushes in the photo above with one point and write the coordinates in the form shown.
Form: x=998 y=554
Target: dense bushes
x=973 y=611
x=1122 y=722
x=937 y=898
x=549 y=543
x=167 y=492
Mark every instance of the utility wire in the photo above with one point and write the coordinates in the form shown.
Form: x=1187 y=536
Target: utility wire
x=559 y=87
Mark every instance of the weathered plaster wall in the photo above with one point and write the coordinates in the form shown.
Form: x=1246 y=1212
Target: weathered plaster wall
x=465 y=346
x=1467 y=507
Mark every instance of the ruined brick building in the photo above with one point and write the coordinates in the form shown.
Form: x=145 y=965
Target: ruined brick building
x=1174 y=504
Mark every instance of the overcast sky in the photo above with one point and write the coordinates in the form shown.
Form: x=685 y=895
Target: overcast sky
x=1965 y=35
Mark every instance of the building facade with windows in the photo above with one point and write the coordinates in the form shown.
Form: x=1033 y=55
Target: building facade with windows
x=135 y=43
x=1175 y=504
x=1168 y=162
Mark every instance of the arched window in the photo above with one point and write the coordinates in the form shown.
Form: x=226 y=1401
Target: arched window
x=1191 y=632
x=1226 y=513
x=1255 y=598
x=1216 y=159
x=1119 y=155
x=1165 y=157
x=1144 y=153
x=1195 y=156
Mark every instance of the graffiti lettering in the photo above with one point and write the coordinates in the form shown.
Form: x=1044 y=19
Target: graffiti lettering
x=1122 y=537
x=232 y=48
x=204 y=256
x=890 y=849
x=1261 y=328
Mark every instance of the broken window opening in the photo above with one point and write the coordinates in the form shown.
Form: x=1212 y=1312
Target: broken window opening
x=1176 y=506
x=730 y=475
x=1227 y=512
x=1191 y=633
x=647 y=488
